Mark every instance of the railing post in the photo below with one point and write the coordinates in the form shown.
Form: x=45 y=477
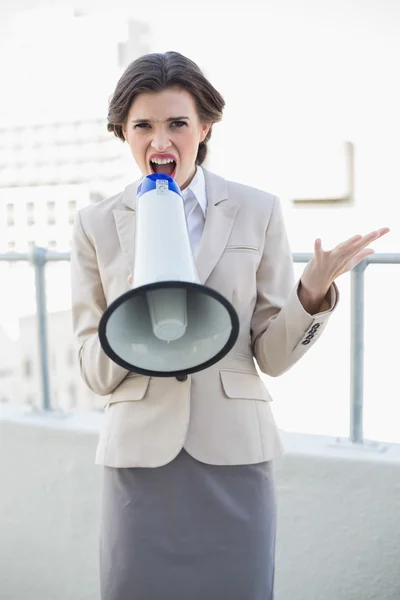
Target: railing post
x=38 y=258
x=357 y=353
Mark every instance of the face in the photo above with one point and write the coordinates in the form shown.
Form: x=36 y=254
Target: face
x=163 y=131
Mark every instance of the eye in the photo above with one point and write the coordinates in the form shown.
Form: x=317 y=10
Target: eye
x=178 y=124
x=142 y=126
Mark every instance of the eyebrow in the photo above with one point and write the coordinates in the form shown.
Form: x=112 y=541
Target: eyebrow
x=167 y=120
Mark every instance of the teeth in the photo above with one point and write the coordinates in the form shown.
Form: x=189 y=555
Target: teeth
x=162 y=161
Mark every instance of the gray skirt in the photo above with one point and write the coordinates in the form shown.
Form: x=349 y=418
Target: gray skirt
x=188 y=531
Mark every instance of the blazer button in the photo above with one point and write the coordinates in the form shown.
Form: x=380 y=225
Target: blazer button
x=182 y=377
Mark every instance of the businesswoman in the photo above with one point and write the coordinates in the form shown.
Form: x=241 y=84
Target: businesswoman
x=188 y=507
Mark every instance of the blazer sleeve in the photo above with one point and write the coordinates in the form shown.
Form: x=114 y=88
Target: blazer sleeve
x=281 y=330
x=98 y=371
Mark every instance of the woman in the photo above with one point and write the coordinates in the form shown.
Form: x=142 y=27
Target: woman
x=189 y=504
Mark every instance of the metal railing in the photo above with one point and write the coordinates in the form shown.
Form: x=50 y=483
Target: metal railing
x=357 y=304
x=38 y=257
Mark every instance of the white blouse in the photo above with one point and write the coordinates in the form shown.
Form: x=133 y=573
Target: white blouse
x=195 y=202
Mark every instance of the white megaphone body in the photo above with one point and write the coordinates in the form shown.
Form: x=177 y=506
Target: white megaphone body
x=167 y=324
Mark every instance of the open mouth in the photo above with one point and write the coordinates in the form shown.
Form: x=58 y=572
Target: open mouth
x=166 y=166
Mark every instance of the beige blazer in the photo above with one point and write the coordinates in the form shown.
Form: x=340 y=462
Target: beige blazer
x=221 y=415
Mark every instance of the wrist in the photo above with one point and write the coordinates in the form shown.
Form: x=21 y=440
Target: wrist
x=315 y=293
x=311 y=300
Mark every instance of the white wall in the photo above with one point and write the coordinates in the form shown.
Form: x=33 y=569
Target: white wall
x=338 y=530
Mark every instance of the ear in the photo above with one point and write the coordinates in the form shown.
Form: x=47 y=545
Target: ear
x=124 y=129
x=205 y=128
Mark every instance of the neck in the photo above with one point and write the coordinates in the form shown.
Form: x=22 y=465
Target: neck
x=189 y=179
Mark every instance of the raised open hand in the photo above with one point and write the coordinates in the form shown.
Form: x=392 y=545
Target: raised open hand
x=326 y=265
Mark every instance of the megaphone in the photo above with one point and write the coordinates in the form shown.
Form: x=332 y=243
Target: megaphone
x=167 y=324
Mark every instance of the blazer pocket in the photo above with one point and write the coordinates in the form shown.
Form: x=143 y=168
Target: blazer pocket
x=241 y=248
x=242 y=385
x=131 y=389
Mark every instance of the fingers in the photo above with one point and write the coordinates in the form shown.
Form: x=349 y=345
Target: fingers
x=382 y=231
x=344 y=247
x=374 y=235
x=351 y=240
x=358 y=242
x=317 y=245
x=370 y=237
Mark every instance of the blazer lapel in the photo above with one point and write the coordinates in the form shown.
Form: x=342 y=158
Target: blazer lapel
x=218 y=225
x=220 y=217
x=125 y=222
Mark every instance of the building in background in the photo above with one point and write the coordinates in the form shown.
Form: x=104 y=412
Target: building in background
x=9 y=361
x=56 y=156
x=47 y=172
x=67 y=390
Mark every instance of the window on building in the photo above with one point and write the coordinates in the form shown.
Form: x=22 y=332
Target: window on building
x=71 y=211
x=10 y=214
x=27 y=368
x=11 y=246
x=72 y=395
x=30 y=213
x=51 y=213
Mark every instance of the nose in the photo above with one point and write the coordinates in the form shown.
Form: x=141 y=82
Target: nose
x=161 y=141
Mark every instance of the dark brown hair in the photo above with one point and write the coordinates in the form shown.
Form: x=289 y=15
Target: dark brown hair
x=156 y=73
